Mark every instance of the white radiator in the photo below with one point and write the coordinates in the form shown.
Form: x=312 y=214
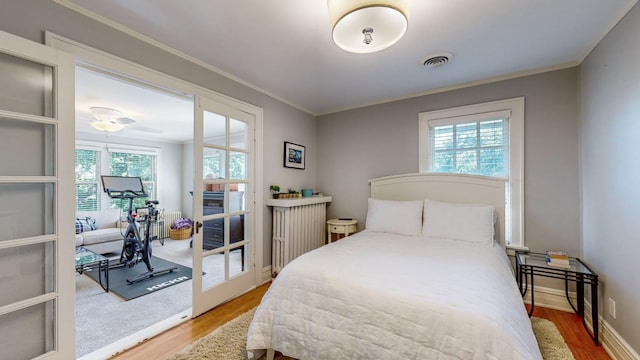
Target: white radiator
x=168 y=217
x=298 y=226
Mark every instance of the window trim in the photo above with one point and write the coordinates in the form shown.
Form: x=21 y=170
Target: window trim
x=104 y=150
x=516 y=151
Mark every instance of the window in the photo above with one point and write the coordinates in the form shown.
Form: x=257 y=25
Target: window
x=133 y=163
x=213 y=165
x=87 y=187
x=93 y=160
x=483 y=139
x=477 y=147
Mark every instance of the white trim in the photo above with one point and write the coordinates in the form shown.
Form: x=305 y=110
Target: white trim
x=616 y=346
x=128 y=342
x=550 y=298
x=68 y=4
x=515 y=75
x=266 y=274
x=79 y=9
x=59 y=320
x=87 y=55
x=500 y=114
x=516 y=151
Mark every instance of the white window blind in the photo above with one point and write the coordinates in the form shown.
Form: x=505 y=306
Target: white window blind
x=87 y=175
x=470 y=147
x=482 y=139
x=94 y=159
x=131 y=163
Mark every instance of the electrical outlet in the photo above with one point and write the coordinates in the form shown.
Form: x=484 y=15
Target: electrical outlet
x=612 y=308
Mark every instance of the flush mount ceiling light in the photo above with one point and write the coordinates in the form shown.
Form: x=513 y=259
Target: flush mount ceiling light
x=109 y=120
x=366 y=26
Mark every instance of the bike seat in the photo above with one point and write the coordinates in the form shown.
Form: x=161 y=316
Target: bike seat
x=155 y=202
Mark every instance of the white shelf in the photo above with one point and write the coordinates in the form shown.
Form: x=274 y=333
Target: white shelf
x=298 y=201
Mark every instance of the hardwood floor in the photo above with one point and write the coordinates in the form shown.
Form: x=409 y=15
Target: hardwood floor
x=172 y=341
x=574 y=334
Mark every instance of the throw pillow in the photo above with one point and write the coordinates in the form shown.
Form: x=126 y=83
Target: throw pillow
x=85 y=224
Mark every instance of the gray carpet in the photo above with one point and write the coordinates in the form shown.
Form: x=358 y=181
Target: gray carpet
x=103 y=318
x=229 y=342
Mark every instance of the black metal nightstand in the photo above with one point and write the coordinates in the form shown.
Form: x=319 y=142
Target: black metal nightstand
x=529 y=264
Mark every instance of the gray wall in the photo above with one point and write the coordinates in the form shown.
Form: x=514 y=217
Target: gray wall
x=358 y=145
x=610 y=164
x=30 y=18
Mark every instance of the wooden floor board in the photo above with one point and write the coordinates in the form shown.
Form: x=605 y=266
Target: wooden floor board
x=173 y=340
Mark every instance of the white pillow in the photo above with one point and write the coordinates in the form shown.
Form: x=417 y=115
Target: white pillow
x=395 y=217
x=467 y=222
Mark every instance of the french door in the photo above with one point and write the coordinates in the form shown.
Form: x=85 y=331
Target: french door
x=36 y=201
x=224 y=204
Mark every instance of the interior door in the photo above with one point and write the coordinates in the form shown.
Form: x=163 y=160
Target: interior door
x=36 y=201
x=224 y=210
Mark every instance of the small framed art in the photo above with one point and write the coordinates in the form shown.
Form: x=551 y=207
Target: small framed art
x=294 y=155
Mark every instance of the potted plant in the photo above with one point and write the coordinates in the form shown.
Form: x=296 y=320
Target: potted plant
x=275 y=191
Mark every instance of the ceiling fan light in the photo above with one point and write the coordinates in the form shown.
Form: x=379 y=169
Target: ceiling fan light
x=107 y=126
x=104 y=114
x=366 y=26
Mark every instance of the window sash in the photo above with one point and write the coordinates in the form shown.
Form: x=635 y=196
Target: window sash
x=131 y=160
x=87 y=188
x=464 y=147
x=513 y=109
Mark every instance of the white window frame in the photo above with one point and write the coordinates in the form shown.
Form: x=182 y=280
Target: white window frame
x=98 y=173
x=514 y=108
x=104 y=151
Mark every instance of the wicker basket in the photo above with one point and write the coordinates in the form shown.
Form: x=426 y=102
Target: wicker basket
x=180 y=234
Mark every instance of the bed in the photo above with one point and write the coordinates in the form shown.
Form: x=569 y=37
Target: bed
x=427 y=279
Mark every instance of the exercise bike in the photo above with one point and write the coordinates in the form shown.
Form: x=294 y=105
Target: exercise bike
x=135 y=248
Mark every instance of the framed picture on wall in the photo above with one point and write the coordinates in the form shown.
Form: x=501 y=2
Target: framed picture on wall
x=293 y=155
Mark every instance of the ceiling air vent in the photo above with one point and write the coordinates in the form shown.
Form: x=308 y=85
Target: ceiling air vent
x=437 y=60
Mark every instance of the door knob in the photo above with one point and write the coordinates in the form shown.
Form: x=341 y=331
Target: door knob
x=198 y=226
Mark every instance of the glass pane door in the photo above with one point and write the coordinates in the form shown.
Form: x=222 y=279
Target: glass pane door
x=223 y=192
x=36 y=100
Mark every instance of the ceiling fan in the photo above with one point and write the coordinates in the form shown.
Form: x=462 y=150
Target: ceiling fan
x=111 y=120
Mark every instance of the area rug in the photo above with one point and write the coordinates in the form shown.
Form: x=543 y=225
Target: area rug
x=229 y=342
x=118 y=278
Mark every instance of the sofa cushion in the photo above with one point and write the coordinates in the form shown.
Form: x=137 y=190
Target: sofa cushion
x=85 y=224
x=79 y=240
x=101 y=235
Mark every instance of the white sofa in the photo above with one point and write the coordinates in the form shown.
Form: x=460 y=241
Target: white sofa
x=108 y=237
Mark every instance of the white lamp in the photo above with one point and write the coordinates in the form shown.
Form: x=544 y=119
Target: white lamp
x=107 y=126
x=365 y=26
x=107 y=119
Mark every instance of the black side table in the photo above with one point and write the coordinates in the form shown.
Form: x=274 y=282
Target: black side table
x=87 y=260
x=529 y=264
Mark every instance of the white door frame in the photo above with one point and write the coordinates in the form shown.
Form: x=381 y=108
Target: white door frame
x=61 y=270
x=207 y=297
x=84 y=54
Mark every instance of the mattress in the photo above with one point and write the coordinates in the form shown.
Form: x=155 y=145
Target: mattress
x=383 y=296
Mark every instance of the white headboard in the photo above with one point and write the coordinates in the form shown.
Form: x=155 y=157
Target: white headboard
x=454 y=188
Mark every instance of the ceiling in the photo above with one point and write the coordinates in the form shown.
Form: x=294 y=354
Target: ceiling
x=284 y=47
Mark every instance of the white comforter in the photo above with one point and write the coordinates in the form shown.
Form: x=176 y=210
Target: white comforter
x=382 y=296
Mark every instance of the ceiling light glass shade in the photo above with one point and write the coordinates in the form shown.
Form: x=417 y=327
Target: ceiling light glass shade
x=107 y=126
x=105 y=114
x=365 y=26
x=107 y=119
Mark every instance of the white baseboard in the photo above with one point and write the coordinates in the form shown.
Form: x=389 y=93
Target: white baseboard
x=266 y=274
x=616 y=346
x=610 y=340
x=551 y=298
x=137 y=338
